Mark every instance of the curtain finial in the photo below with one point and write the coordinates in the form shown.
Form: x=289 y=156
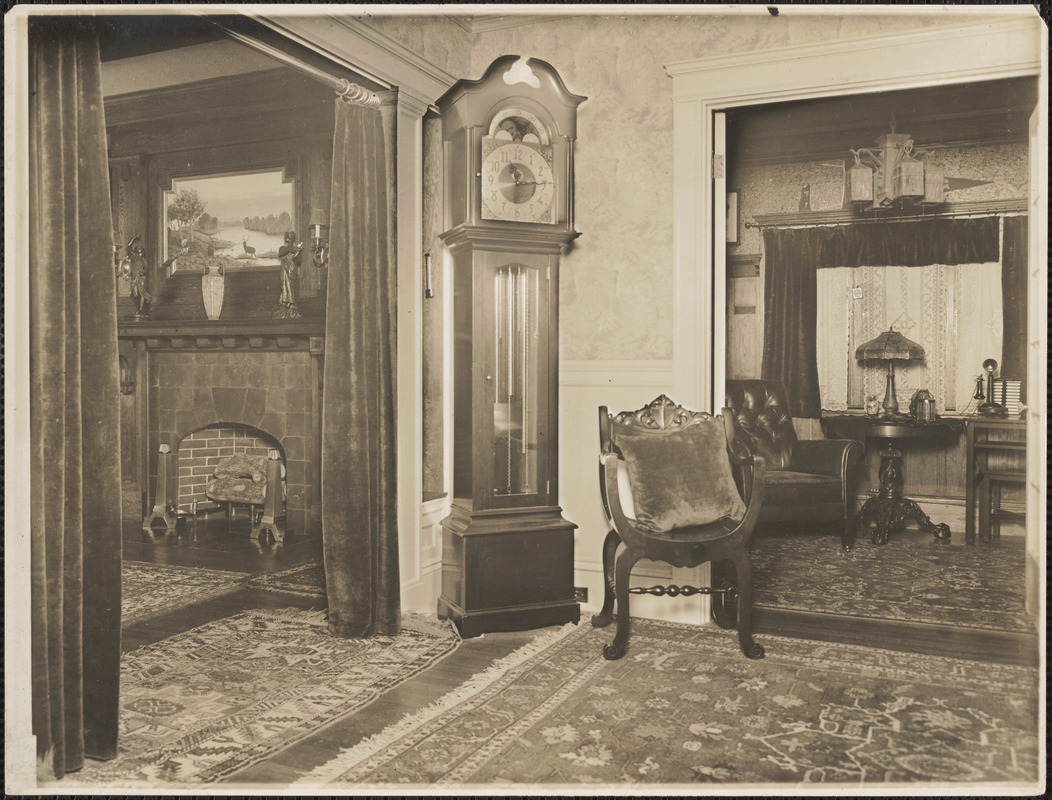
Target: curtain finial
x=359 y=95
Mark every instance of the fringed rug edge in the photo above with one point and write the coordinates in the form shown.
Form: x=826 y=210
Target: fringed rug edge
x=369 y=746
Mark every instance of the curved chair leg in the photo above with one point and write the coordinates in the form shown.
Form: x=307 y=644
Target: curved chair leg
x=749 y=647
x=610 y=545
x=847 y=535
x=625 y=562
x=724 y=606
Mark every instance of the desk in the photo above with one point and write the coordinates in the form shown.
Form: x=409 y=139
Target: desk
x=889 y=509
x=995 y=455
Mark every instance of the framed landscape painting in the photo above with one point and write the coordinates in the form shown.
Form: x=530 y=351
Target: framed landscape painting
x=235 y=221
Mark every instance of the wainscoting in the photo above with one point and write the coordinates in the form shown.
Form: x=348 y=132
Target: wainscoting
x=621 y=386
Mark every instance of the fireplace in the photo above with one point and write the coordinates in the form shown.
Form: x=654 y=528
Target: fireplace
x=214 y=391
x=201 y=451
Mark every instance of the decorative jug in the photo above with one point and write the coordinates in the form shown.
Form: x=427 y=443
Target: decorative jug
x=212 y=286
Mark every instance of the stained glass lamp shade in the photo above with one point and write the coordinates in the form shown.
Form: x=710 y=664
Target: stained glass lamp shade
x=890 y=346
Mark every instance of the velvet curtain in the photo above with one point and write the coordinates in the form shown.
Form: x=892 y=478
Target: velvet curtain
x=790 y=285
x=75 y=475
x=359 y=519
x=1014 y=294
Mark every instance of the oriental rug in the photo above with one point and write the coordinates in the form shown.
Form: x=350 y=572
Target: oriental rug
x=683 y=707
x=150 y=590
x=305 y=580
x=915 y=581
x=199 y=706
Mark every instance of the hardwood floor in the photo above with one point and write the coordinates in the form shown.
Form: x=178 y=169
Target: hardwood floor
x=213 y=546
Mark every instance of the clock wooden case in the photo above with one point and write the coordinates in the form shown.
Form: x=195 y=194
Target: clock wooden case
x=507 y=557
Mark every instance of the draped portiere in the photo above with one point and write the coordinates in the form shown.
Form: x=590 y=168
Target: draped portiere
x=1014 y=291
x=75 y=476
x=793 y=256
x=359 y=521
x=789 y=307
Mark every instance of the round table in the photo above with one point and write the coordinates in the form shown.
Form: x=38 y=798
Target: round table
x=889 y=509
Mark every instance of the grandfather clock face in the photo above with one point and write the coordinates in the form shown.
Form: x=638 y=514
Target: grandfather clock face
x=518 y=184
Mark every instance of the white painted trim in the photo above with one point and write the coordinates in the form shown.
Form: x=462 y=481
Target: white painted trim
x=995 y=48
x=360 y=48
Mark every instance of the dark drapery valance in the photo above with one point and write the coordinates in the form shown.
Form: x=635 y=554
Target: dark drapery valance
x=899 y=244
x=792 y=257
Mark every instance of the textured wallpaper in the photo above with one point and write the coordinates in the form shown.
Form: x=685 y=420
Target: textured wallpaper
x=616 y=284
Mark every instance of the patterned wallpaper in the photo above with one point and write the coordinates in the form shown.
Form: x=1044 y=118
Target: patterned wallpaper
x=776 y=189
x=616 y=283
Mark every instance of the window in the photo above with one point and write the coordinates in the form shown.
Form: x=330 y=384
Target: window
x=954 y=312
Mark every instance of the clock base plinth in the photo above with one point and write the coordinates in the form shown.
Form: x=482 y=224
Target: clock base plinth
x=524 y=618
x=507 y=570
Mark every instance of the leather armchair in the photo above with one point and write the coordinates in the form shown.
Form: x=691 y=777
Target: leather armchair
x=806 y=481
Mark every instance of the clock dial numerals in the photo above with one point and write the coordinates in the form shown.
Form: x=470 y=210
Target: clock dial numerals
x=517 y=182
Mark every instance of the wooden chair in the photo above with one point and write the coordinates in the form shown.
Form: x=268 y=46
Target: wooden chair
x=685 y=510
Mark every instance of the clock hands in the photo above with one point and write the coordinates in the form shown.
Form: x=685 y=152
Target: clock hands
x=516 y=174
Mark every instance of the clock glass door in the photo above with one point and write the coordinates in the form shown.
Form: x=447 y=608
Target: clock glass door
x=517 y=406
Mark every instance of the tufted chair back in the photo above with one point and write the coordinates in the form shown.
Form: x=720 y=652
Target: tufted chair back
x=761 y=410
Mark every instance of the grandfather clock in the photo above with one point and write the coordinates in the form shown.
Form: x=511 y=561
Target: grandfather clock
x=507 y=551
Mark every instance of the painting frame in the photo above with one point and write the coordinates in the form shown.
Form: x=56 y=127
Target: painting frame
x=225 y=254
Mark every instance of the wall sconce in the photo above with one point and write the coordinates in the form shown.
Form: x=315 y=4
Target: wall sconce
x=319 y=238
x=127 y=381
x=429 y=290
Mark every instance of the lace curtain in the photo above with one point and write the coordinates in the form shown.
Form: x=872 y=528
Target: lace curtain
x=954 y=312
x=793 y=258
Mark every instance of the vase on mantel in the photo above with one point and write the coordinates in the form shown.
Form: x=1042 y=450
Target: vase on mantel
x=212 y=285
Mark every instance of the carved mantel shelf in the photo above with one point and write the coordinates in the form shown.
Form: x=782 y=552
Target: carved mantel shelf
x=287 y=335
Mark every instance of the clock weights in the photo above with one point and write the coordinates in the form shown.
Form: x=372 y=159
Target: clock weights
x=507 y=551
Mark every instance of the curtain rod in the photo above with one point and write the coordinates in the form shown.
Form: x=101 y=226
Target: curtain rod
x=345 y=89
x=871 y=220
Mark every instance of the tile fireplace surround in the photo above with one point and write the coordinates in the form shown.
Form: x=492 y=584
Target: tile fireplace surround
x=204 y=375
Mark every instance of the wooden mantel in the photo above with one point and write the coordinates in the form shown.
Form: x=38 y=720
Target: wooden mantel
x=280 y=334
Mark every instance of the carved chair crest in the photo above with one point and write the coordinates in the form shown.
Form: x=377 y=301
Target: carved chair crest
x=661 y=414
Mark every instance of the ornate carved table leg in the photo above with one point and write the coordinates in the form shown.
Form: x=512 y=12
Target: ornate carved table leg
x=889 y=509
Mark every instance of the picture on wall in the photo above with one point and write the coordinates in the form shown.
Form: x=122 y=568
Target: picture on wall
x=232 y=221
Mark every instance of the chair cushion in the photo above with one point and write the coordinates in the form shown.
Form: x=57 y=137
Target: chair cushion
x=799 y=489
x=682 y=477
